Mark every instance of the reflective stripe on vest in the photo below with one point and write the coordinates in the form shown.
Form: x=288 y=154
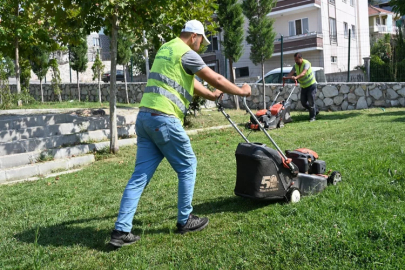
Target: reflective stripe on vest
x=166 y=93
x=170 y=88
x=173 y=84
x=308 y=78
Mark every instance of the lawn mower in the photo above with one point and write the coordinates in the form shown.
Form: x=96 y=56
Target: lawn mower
x=276 y=116
x=264 y=173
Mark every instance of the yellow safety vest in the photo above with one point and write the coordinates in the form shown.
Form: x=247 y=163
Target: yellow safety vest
x=308 y=79
x=170 y=88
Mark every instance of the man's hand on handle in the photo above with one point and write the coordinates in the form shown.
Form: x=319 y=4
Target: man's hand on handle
x=247 y=91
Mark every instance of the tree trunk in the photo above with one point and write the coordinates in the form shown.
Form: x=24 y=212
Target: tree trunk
x=78 y=85
x=99 y=88
x=125 y=80
x=113 y=113
x=42 y=91
x=264 y=87
x=232 y=73
x=17 y=70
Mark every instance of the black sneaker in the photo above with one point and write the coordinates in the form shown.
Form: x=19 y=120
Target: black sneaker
x=119 y=239
x=193 y=224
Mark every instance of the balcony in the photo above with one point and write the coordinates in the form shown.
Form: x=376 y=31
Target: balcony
x=287 y=7
x=306 y=42
x=383 y=29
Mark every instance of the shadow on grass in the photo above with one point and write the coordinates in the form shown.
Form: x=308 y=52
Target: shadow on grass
x=232 y=204
x=322 y=116
x=399 y=119
x=71 y=233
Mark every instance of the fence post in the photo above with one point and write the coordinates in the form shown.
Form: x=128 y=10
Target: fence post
x=281 y=53
x=348 y=59
x=367 y=67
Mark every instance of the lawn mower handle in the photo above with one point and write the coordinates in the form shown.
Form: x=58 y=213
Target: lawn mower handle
x=295 y=83
x=267 y=134
x=221 y=109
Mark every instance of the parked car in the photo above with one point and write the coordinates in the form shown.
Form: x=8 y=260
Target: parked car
x=106 y=76
x=273 y=76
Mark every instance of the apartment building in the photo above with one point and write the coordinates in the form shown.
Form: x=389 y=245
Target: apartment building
x=319 y=29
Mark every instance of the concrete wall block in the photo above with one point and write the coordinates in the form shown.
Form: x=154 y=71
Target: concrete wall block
x=69 y=151
x=48 y=167
x=80 y=161
x=21 y=173
x=9 y=135
x=3 y=177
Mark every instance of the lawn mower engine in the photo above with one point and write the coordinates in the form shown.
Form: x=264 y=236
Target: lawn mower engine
x=261 y=173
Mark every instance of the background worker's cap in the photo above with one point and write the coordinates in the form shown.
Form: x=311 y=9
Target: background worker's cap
x=197 y=27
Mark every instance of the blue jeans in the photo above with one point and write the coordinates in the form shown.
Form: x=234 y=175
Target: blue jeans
x=158 y=137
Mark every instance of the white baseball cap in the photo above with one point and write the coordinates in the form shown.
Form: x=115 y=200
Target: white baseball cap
x=197 y=27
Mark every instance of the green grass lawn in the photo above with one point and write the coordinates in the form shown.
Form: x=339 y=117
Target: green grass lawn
x=358 y=224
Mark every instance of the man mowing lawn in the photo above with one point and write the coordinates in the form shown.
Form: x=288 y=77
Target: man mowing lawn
x=168 y=93
x=307 y=81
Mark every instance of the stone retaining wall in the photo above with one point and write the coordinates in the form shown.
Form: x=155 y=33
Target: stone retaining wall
x=331 y=96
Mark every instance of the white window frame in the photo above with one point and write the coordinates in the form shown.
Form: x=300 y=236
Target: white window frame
x=292 y=31
x=332 y=30
x=353 y=31
x=346 y=29
x=96 y=41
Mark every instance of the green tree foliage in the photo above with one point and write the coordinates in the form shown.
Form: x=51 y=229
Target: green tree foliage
x=125 y=42
x=98 y=69
x=56 y=80
x=398 y=6
x=78 y=58
x=382 y=48
x=260 y=32
x=379 y=70
x=39 y=61
x=231 y=20
x=25 y=76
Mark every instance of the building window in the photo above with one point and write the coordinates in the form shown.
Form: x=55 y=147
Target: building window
x=242 y=72
x=298 y=27
x=214 y=44
x=96 y=42
x=332 y=31
x=332 y=2
x=333 y=59
x=346 y=29
x=353 y=32
x=344 y=1
x=352 y=2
